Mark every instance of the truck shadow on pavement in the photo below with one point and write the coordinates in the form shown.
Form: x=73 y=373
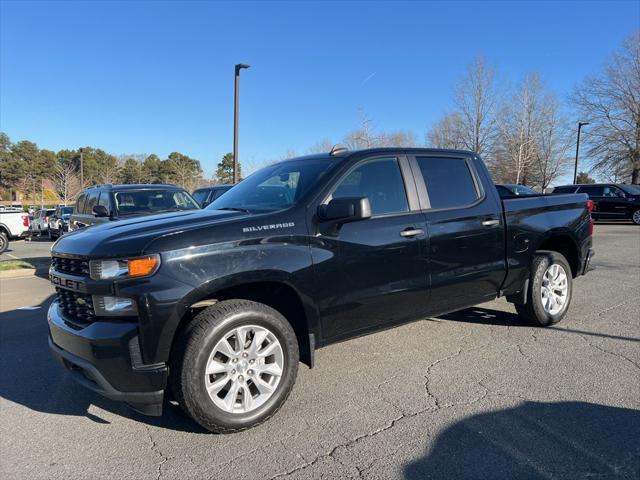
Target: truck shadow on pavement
x=537 y=441
x=30 y=376
x=489 y=316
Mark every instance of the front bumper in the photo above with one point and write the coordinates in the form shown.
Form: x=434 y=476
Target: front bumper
x=105 y=357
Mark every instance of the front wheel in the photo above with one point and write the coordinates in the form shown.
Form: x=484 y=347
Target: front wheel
x=235 y=365
x=550 y=288
x=635 y=218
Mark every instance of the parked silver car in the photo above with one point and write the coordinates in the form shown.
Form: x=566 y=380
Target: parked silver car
x=40 y=223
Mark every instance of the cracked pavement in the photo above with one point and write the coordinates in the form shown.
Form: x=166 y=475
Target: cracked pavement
x=473 y=394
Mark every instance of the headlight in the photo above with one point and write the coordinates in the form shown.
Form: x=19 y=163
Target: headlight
x=127 y=268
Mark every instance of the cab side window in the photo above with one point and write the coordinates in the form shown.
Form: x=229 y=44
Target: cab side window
x=380 y=181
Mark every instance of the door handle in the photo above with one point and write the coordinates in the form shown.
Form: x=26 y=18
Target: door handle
x=411 y=232
x=492 y=222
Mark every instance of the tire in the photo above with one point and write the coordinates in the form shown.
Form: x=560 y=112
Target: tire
x=4 y=242
x=635 y=217
x=536 y=310
x=196 y=348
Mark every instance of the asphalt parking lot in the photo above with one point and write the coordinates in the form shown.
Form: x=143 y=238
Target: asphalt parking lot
x=474 y=394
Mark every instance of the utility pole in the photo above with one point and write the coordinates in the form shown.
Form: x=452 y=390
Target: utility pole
x=575 y=170
x=236 y=100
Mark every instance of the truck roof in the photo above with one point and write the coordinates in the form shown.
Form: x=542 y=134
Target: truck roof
x=346 y=153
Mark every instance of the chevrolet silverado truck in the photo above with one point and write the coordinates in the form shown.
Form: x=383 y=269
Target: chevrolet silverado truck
x=216 y=308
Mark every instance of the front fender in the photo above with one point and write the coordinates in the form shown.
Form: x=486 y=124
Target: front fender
x=212 y=268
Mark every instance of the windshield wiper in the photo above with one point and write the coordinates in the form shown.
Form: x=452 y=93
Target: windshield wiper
x=235 y=209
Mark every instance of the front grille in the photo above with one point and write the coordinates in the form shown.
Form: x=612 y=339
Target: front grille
x=76 y=306
x=74 y=266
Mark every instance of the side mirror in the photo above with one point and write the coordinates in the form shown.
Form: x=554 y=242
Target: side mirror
x=345 y=210
x=100 y=211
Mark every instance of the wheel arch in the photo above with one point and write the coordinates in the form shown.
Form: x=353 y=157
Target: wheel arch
x=271 y=290
x=564 y=243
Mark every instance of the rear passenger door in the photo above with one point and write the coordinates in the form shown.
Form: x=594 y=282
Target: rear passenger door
x=466 y=256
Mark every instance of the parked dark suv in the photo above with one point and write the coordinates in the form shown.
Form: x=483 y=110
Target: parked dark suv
x=611 y=200
x=204 y=196
x=104 y=203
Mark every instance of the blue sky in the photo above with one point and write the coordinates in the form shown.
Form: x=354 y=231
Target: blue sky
x=143 y=77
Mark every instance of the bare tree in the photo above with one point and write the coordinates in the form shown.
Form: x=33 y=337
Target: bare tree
x=477 y=100
x=519 y=127
x=610 y=101
x=362 y=137
x=553 y=144
x=366 y=137
x=323 y=146
x=446 y=132
x=66 y=181
x=396 y=139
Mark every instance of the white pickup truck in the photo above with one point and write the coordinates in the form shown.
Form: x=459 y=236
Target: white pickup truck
x=12 y=225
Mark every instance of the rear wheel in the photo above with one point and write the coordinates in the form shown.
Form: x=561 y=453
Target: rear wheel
x=235 y=365
x=550 y=288
x=635 y=218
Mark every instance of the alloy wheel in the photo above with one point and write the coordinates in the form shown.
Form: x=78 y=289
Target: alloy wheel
x=244 y=369
x=554 y=289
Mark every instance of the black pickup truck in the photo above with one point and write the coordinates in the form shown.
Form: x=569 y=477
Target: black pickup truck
x=218 y=306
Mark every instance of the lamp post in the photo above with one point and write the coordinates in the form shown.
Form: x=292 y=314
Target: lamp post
x=236 y=99
x=575 y=170
x=81 y=169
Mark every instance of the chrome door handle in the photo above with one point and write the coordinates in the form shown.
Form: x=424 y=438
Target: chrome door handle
x=490 y=223
x=411 y=232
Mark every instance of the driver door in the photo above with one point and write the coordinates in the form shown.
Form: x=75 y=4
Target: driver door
x=373 y=271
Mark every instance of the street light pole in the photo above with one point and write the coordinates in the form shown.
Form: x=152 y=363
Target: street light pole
x=236 y=100
x=81 y=170
x=575 y=170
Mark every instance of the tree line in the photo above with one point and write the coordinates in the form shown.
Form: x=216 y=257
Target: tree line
x=41 y=174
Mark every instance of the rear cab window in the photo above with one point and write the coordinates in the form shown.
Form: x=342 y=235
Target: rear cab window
x=449 y=182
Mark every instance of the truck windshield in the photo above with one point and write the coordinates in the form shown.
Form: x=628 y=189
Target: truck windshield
x=149 y=201
x=275 y=187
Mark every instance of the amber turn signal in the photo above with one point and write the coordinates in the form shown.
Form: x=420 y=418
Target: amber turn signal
x=140 y=267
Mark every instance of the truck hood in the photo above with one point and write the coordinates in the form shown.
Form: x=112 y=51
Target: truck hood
x=122 y=238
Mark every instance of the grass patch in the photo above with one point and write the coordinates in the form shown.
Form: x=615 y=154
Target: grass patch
x=14 y=265
x=39 y=263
